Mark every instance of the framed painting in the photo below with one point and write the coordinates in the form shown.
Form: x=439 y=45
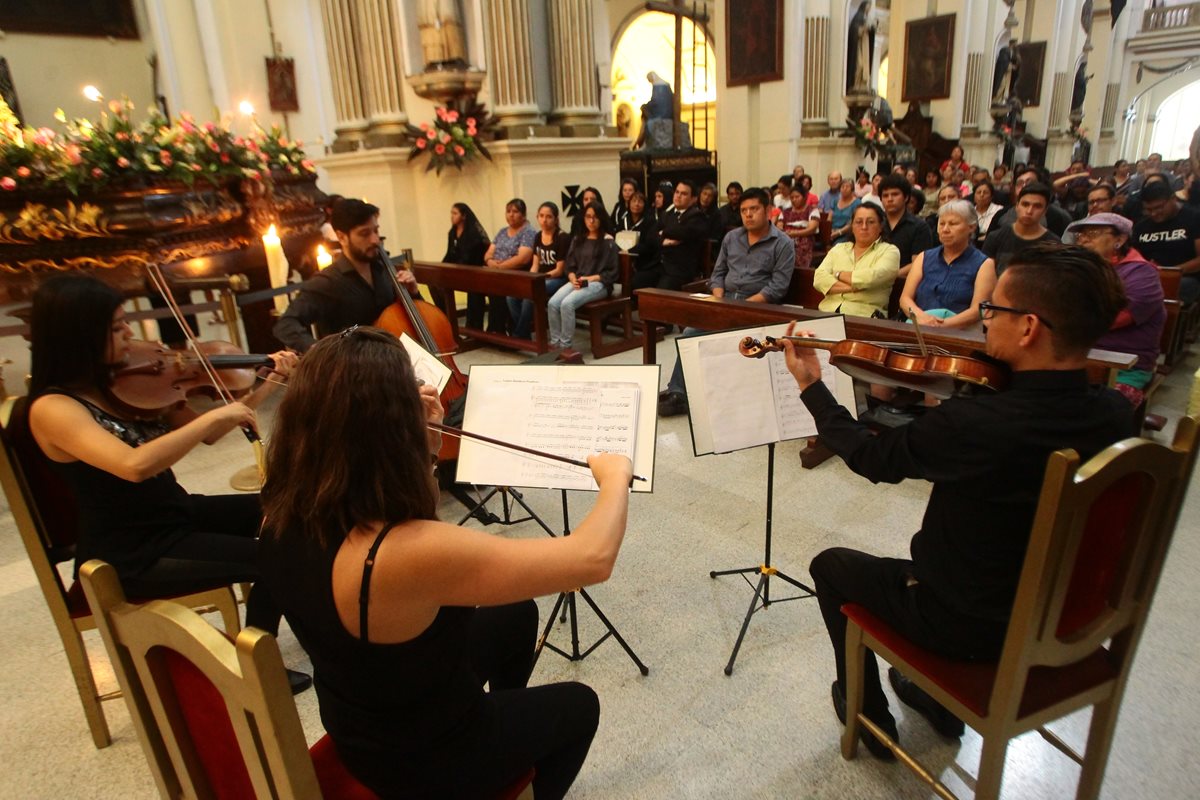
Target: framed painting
x=1029 y=79
x=101 y=18
x=928 y=53
x=755 y=36
x=281 y=84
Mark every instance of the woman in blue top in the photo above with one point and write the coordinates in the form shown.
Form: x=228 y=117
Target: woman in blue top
x=948 y=282
x=512 y=248
x=843 y=210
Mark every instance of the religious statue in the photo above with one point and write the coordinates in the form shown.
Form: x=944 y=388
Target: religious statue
x=658 y=115
x=860 y=49
x=1079 y=92
x=1004 y=77
x=442 y=41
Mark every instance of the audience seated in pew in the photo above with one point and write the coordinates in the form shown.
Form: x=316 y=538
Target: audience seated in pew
x=550 y=248
x=856 y=277
x=592 y=268
x=512 y=248
x=948 y=282
x=800 y=222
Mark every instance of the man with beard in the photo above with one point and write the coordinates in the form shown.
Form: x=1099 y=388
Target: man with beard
x=353 y=290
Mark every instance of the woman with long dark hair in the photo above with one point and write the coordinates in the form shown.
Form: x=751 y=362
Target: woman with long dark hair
x=589 y=195
x=593 y=268
x=550 y=248
x=132 y=511
x=466 y=243
x=406 y=617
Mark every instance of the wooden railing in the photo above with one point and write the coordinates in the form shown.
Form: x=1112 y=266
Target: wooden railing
x=1171 y=17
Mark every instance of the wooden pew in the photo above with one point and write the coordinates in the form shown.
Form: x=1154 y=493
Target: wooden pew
x=506 y=282
x=661 y=307
x=1173 y=343
x=618 y=307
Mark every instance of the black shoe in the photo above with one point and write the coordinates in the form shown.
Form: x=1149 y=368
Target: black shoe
x=672 y=405
x=299 y=681
x=876 y=747
x=915 y=698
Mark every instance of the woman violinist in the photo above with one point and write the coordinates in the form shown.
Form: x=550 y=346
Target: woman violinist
x=406 y=617
x=132 y=511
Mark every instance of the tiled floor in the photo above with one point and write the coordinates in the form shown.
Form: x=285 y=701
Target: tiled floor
x=685 y=730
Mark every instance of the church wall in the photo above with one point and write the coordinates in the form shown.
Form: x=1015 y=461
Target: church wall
x=49 y=72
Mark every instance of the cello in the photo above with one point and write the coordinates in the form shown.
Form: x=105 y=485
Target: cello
x=426 y=324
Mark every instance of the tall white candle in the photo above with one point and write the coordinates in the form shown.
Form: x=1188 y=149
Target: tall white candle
x=277 y=266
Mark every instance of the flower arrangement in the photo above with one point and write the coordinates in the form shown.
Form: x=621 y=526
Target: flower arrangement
x=876 y=142
x=455 y=137
x=114 y=150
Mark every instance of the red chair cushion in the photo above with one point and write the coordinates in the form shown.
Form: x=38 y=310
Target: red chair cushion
x=971 y=682
x=335 y=779
x=210 y=729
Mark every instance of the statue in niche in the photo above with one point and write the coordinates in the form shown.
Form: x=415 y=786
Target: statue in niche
x=1079 y=92
x=860 y=50
x=658 y=116
x=1004 y=77
x=442 y=42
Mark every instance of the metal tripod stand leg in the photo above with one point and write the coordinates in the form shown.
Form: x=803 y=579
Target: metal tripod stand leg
x=566 y=604
x=762 y=591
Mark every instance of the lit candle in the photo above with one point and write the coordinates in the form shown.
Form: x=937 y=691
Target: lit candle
x=277 y=266
x=323 y=257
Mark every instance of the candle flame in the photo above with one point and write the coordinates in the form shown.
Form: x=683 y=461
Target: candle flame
x=271 y=232
x=323 y=257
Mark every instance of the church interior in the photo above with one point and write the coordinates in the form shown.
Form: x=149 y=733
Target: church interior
x=254 y=113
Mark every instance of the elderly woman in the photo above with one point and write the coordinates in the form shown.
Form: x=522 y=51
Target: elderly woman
x=856 y=277
x=1138 y=328
x=948 y=282
x=943 y=195
x=843 y=209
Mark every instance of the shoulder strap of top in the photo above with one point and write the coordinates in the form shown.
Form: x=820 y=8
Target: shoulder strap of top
x=364 y=591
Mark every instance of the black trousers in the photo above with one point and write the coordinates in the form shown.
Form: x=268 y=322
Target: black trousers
x=220 y=547
x=547 y=727
x=497 y=312
x=884 y=586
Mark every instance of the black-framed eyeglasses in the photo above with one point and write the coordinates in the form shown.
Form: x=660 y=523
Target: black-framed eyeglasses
x=988 y=309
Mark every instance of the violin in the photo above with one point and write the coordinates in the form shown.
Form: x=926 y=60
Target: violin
x=425 y=323
x=155 y=378
x=940 y=374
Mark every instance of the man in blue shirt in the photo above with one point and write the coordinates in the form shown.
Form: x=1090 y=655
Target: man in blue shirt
x=828 y=200
x=755 y=264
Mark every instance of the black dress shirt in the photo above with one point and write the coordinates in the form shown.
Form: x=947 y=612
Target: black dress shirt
x=911 y=236
x=334 y=299
x=690 y=229
x=986 y=457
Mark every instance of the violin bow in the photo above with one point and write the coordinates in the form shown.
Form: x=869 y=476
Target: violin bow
x=912 y=316
x=464 y=434
x=154 y=271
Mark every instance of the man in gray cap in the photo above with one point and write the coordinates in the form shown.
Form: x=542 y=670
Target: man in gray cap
x=1138 y=327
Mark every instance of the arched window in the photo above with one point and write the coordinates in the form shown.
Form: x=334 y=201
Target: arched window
x=648 y=45
x=1175 y=122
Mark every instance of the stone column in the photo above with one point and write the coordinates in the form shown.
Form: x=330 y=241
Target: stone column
x=341 y=27
x=573 y=57
x=382 y=72
x=814 y=120
x=514 y=96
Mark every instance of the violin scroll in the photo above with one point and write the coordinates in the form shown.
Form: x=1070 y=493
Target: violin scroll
x=753 y=348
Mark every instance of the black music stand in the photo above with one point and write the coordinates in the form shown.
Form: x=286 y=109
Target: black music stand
x=566 y=603
x=765 y=570
x=509 y=498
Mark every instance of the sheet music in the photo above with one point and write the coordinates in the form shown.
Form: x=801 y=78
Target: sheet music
x=741 y=417
x=557 y=410
x=426 y=366
x=794 y=420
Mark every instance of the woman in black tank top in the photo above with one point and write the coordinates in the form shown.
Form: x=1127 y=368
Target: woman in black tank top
x=132 y=512
x=406 y=618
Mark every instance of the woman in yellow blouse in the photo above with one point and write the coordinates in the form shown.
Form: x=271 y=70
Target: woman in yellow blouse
x=856 y=277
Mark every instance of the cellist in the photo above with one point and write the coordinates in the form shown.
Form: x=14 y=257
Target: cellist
x=353 y=290
x=132 y=511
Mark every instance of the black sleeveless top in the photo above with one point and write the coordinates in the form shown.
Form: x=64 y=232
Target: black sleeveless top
x=403 y=716
x=129 y=525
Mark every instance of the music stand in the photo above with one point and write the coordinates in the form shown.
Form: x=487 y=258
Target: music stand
x=724 y=391
x=500 y=405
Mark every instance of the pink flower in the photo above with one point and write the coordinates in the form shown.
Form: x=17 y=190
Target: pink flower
x=471 y=131
x=114 y=106
x=421 y=143
x=430 y=134
x=441 y=114
x=212 y=145
x=452 y=116
x=7 y=184
x=123 y=162
x=24 y=172
x=282 y=142
x=471 y=123
x=445 y=138
x=97 y=172
x=210 y=127
x=73 y=155
x=424 y=126
x=186 y=126
x=165 y=157
x=459 y=150
x=122 y=136
x=440 y=150
x=308 y=165
x=224 y=158
x=195 y=167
